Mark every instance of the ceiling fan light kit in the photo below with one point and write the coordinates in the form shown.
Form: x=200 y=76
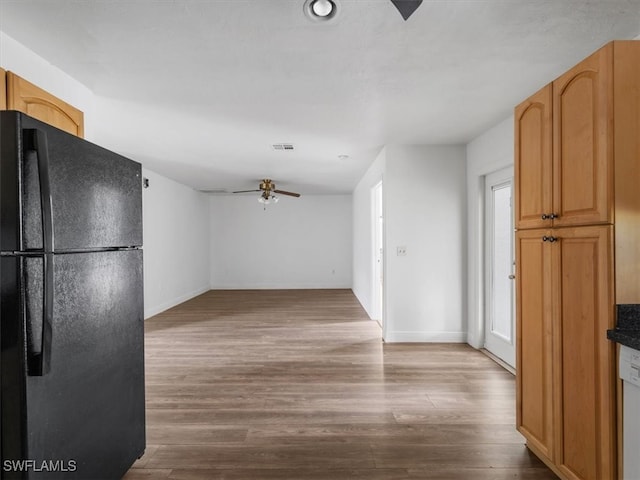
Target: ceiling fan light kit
x=267 y=189
x=267 y=199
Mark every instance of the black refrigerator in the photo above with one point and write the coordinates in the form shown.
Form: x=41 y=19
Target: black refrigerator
x=71 y=306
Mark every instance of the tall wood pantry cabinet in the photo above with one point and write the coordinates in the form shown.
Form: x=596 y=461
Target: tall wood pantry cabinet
x=16 y=93
x=577 y=208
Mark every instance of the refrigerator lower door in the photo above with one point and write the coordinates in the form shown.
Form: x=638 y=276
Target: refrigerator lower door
x=84 y=418
x=12 y=364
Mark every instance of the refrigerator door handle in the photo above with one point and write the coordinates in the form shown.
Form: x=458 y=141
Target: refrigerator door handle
x=39 y=362
x=38 y=142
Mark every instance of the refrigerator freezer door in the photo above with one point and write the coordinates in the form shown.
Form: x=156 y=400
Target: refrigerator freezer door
x=86 y=414
x=94 y=194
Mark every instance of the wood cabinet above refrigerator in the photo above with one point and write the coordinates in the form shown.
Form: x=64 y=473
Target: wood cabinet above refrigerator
x=23 y=96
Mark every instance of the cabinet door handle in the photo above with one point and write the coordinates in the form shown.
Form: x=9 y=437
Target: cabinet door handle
x=549 y=239
x=544 y=216
x=552 y=216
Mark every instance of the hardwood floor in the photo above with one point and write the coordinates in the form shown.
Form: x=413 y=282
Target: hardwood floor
x=298 y=385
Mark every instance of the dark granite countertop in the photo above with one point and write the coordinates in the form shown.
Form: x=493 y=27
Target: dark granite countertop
x=627 y=331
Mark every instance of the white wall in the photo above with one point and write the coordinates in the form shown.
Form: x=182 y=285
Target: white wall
x=20 y=60
x=176 y=228
x=425 y=211
x=299 y=243
x=176 y=243
x=363 y=231
x=491 y=151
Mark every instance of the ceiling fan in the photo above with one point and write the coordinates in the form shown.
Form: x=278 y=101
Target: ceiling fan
x=268 y=188
x=406 y=7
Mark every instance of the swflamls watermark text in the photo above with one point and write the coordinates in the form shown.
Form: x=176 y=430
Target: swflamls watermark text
x=39 y=466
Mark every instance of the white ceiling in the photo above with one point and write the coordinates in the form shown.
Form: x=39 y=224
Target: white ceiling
x=202 y=88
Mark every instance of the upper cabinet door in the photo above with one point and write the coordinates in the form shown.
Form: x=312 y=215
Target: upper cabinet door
x=533 y=161
x=3 y=89
x=25 y=97
x=583 y=147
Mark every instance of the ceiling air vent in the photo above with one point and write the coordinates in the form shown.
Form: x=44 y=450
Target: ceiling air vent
x=214 y=191
x=282 y=146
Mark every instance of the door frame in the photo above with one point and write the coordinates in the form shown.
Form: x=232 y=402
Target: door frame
x=486 y=154
x=500 y=346
x=377 y=212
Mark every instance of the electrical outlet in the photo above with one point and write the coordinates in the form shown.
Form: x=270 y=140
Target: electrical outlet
x=401 y=251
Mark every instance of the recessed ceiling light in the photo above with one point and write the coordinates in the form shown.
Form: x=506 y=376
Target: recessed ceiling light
x=321 y=10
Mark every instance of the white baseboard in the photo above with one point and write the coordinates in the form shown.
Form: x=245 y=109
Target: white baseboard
x=426 y=337
x=151 y=311
x=281 y=286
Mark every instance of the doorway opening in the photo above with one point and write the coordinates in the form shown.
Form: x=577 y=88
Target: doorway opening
x=378 y=254
x=499 y=327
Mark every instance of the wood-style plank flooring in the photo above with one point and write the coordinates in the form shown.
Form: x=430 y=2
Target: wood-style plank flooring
x=298 y=385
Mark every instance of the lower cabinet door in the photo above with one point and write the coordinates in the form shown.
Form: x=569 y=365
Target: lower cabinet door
x=534 y=357
x=566 y=403
x=584 y=379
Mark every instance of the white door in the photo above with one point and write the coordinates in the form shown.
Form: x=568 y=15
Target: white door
x=378 y=251
x=499 y=266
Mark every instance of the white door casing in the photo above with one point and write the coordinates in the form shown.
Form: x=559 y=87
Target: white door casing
x=499 y=266
x=378 y=252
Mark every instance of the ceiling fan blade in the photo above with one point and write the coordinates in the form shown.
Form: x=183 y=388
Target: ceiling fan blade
x=284 y=192
x=406 y=7
x=247 y=191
